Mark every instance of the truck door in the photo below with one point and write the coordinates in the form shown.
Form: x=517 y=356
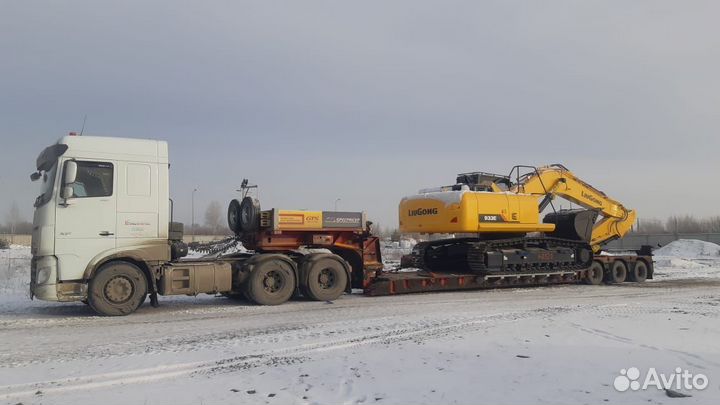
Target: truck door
x=137 y=203
x=86 y=221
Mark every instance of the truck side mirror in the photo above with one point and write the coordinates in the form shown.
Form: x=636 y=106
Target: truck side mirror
x=35 y=176
x=70 y=173
x=67 y=192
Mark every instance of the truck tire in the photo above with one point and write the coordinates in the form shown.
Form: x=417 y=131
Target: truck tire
x=118 y=288
x=595 y=274
x=323 y=277
x=249 y=215
x=271 y=281
x=234 y=217
x=617 y=273
x=639 y=272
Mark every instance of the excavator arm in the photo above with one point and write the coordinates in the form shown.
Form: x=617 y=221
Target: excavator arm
x=557 y=180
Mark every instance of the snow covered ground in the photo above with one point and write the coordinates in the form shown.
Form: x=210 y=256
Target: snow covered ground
x=555 y=345
x=687 y=259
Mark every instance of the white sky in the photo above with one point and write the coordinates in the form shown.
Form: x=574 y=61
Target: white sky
x=369 y=101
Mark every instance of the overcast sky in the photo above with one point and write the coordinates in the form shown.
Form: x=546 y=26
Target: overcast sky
x=368 y=101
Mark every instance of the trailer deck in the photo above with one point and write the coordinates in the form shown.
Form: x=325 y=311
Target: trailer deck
x=416 y=281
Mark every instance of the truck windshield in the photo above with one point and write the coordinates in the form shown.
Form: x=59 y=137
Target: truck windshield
x=46 y=186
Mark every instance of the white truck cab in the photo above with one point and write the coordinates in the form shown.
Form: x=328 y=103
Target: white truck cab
x=100 y=198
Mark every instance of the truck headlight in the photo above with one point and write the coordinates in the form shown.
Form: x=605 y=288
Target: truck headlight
x=46 y=270
x=43 y=275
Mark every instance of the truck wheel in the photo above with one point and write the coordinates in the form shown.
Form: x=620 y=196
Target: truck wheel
x=323 y=278
x=639 y=272
x=118 y=288
x=234 y=217
x=617 y=273
x=271 y=282
x=594 y=275
x=249 y=215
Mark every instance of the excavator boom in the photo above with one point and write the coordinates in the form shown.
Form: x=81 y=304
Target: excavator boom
x=557 y=180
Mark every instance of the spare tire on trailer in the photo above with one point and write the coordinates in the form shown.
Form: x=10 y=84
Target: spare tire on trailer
x=249 y=215
x=233 y=216
x=244 y=217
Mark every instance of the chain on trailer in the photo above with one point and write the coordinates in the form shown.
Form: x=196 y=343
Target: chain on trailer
x=217 y=247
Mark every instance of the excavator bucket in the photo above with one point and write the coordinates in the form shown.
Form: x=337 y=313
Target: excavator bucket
x=572 y=224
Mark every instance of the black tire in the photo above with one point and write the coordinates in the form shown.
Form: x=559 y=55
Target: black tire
x=249 y=215
x=595 y=274
x=323 y=277
x=271 y=280
x=617 y=273
x=118 y=288
x=585 y=256
x=639 y=272
x=234 y=216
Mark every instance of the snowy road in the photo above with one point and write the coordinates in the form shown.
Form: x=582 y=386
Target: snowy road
x=561 y=344
x=457 y=347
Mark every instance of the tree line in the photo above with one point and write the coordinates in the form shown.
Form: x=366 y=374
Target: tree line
x=678 y=224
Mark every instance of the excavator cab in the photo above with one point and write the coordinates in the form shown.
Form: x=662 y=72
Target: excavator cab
x=481 y=181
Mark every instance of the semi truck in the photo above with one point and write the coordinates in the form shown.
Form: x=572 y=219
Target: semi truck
x=104 y=234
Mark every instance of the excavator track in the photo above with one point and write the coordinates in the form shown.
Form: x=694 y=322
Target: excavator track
x=501 y=256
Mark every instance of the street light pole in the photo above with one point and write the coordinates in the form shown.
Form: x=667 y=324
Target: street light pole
x=337 y=200
x=192 y=225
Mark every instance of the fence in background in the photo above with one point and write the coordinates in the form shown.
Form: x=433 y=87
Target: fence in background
x=635 y=240
x=16 y=239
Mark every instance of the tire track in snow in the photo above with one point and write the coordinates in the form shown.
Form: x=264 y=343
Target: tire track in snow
x=269 y=357
x=398 y=329
x=197 y=339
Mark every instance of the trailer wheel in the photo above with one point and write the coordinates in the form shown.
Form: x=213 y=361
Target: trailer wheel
x=323 y=277
x=271 y=282
x=594 y=275
x=639 y=272
x=118 y=288
x=617 y=273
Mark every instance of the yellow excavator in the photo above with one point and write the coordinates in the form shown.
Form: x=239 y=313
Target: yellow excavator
x=497 y=226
